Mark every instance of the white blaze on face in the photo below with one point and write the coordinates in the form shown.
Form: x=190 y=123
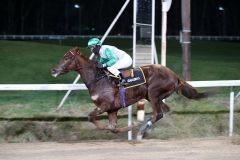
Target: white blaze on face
x=94 y=97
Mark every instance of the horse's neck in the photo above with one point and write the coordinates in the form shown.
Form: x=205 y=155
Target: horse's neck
x=86 y=69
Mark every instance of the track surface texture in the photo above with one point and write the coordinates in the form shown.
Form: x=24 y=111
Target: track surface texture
x=187 y=149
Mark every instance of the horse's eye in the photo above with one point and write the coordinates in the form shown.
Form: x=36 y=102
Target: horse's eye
x=65 y=58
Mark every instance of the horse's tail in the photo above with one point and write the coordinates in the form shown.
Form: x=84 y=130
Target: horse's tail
x=189 y=91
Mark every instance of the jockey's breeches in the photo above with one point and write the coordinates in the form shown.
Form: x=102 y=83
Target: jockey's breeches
x=122 y=63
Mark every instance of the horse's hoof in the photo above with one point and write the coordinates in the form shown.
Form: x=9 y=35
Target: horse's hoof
x=140 y=136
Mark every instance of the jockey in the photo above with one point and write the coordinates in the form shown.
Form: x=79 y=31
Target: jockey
x=110 y=57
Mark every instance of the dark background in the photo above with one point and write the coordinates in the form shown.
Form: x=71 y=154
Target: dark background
x=94 y=16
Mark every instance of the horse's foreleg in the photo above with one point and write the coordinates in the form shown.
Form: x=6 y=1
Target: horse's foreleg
x=125 y=129
x=112 y=116
x=93 y=115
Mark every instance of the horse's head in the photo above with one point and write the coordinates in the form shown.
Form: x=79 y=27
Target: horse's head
x=67 y=63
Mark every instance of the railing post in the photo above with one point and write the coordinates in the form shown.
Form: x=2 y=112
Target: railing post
x=231 y=113
x=130 y=122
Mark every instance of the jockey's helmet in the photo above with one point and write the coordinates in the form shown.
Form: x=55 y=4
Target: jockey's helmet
x=94 y=44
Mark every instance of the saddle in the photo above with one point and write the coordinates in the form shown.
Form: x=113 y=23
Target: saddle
x=133 y=77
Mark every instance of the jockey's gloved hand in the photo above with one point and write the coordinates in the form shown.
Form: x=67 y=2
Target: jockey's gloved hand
x=100 y=65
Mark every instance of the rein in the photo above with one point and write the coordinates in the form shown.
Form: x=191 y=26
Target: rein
x=95 y=80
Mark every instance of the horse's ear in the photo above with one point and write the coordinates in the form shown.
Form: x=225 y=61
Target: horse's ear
x=75 y=49
x=78 y=51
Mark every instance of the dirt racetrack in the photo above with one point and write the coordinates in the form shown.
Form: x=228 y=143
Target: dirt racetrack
x=188 y=149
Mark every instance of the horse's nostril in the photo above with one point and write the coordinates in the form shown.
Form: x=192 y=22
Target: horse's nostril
x=53 y=71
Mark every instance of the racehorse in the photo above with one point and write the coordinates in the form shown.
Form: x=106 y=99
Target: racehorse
x=161 y=82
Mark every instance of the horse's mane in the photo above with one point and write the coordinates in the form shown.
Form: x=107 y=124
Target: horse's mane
x=76 y=50
x=91 y=62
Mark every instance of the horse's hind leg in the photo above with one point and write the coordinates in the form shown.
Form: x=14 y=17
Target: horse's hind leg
x=159 y=109
x=156 y=93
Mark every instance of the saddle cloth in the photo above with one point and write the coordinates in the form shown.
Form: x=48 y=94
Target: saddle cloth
x=134 y=77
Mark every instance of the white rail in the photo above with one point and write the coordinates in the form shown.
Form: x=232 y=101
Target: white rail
x=31 y=87
x=42 y=87
x=47 y=87
x=224 y=83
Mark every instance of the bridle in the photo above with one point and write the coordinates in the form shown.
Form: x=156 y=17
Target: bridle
x=78 y=68
x=70 y=61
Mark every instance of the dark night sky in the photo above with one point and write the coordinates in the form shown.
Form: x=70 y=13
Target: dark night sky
x=94 y=17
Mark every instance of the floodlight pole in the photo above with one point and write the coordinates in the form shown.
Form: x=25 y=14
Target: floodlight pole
x=153 y=33
x=185 y=38
x=92 y=55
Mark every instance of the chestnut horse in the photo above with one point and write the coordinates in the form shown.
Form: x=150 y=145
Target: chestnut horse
x=161 y=82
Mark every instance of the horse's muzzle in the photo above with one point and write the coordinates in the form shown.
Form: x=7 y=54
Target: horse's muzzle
x=55 y=72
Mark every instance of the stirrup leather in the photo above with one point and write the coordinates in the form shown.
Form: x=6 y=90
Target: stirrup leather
x=122 y=82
